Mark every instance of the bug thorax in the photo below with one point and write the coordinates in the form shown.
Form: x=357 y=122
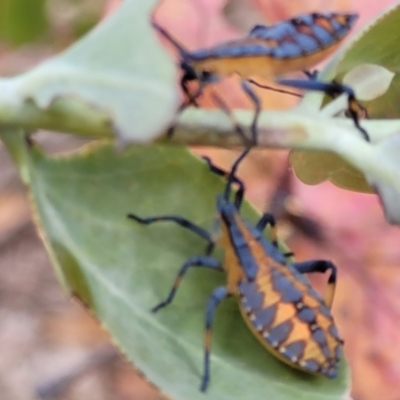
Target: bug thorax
x=226 y=214
x=226 y=208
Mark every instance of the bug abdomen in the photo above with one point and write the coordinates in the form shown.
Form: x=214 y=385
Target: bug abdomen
x=269 y=51
x=265 y=67
x=291 y=323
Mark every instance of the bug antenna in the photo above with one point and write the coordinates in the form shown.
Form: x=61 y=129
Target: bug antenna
x=182 y=51
x=232 y=173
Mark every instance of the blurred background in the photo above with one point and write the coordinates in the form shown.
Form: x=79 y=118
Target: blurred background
x=52 y=348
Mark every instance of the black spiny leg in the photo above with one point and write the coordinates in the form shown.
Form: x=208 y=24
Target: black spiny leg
x=232 y=174
x=257 y=109
x=219 y=171
x=188 y=75
x=218 y=295
x=199 y=261
x=180 y=221
x=223 y=106
x=269 y=219
x=354 y=109
x=320 y=266
x=311 y=75
x=333 y=89
x=273 y=89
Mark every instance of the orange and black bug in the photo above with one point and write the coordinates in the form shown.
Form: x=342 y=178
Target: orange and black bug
x=268 y=52
x=284 y=312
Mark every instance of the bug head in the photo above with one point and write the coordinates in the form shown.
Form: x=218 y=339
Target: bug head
x=189 y=73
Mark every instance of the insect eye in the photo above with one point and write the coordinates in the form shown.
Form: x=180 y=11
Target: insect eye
x=206 y=75
x=190 y=73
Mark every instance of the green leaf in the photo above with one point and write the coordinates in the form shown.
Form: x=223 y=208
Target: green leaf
x=387 y=153
x=369 y=81
x=118 y=71
x=22 y=21
x=330 y=167
x=378 y=44
x=121 y=269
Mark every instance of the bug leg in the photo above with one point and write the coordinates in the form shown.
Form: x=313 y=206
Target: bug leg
x=199 y=261
x=311 y=75
x=320 y=266
x=187 y=76
x=268 y=219
x=190 y=74
x=273 y=89
x=257 y=109
x=216 y=170
x=190 y=98
x=334 y=89
x=203 y=79
x=232 y=173
x=218 y=295
x=354 y=109
x=180 y=221
x=223 y=106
